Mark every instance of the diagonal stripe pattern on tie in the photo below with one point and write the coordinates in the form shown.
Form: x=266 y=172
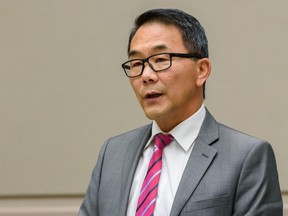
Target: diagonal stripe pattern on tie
x=148 y=193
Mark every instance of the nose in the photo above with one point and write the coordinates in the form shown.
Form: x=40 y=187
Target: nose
x=149 y=75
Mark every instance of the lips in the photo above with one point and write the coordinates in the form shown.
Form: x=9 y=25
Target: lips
x=152 y=95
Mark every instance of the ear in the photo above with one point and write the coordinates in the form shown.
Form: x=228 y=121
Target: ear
x=204 y=70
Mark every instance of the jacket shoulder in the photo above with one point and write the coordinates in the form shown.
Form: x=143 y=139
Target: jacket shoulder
x=228 y=133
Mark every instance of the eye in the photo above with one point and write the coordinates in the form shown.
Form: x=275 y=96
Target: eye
x=135 y=63
x=161 y=59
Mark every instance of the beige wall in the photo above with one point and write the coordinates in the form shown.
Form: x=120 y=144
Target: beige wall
x=63 y=92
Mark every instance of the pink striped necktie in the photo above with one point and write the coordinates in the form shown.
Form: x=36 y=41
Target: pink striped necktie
x=148 y=194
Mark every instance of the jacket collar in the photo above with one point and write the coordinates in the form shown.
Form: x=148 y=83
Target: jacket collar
x=200 y=159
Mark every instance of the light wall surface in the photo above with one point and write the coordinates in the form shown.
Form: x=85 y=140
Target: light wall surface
x=63 y=91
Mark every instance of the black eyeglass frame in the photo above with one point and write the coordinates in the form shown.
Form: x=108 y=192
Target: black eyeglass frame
x=181 y=55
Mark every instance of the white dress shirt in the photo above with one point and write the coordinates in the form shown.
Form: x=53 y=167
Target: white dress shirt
x=174 y=160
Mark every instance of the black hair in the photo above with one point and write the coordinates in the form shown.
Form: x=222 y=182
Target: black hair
x=193 y=34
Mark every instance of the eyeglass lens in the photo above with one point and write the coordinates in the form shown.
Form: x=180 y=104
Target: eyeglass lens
x=156 y=62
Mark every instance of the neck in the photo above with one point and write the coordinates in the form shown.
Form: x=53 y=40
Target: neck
x=167 y=124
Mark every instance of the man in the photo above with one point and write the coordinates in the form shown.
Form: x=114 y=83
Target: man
x=206 y=168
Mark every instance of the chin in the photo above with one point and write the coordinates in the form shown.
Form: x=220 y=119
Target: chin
x=155 y=112
x=152 y=115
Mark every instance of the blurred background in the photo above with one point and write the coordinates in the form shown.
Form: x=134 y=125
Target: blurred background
x=63 y=91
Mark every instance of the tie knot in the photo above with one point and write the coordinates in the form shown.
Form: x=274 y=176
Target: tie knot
x=161 y=140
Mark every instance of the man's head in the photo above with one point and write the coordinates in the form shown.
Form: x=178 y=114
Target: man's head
x=168 y=86
x=193 y=34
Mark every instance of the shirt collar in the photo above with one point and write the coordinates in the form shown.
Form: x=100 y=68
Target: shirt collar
x=186 y=132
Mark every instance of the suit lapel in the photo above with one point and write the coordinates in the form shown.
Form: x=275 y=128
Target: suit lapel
x=201 y=157
x=133 y=154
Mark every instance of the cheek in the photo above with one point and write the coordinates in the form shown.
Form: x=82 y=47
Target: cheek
x=136 y=87
x=133 y=84
x=184 y=80
x=182 y=87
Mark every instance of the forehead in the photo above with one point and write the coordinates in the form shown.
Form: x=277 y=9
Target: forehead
x=155 y=37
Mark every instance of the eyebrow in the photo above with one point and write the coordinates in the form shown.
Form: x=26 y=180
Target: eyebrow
x=159 y=48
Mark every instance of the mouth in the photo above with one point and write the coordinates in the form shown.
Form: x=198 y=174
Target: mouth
x=153 y=95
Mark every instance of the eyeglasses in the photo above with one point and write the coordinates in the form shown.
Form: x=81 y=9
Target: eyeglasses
x=157 y=62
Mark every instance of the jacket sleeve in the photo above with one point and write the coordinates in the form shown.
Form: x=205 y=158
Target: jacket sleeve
x=90 y=206
x=258 y=191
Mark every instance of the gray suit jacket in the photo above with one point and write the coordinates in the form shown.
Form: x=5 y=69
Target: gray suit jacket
x=228 y=173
